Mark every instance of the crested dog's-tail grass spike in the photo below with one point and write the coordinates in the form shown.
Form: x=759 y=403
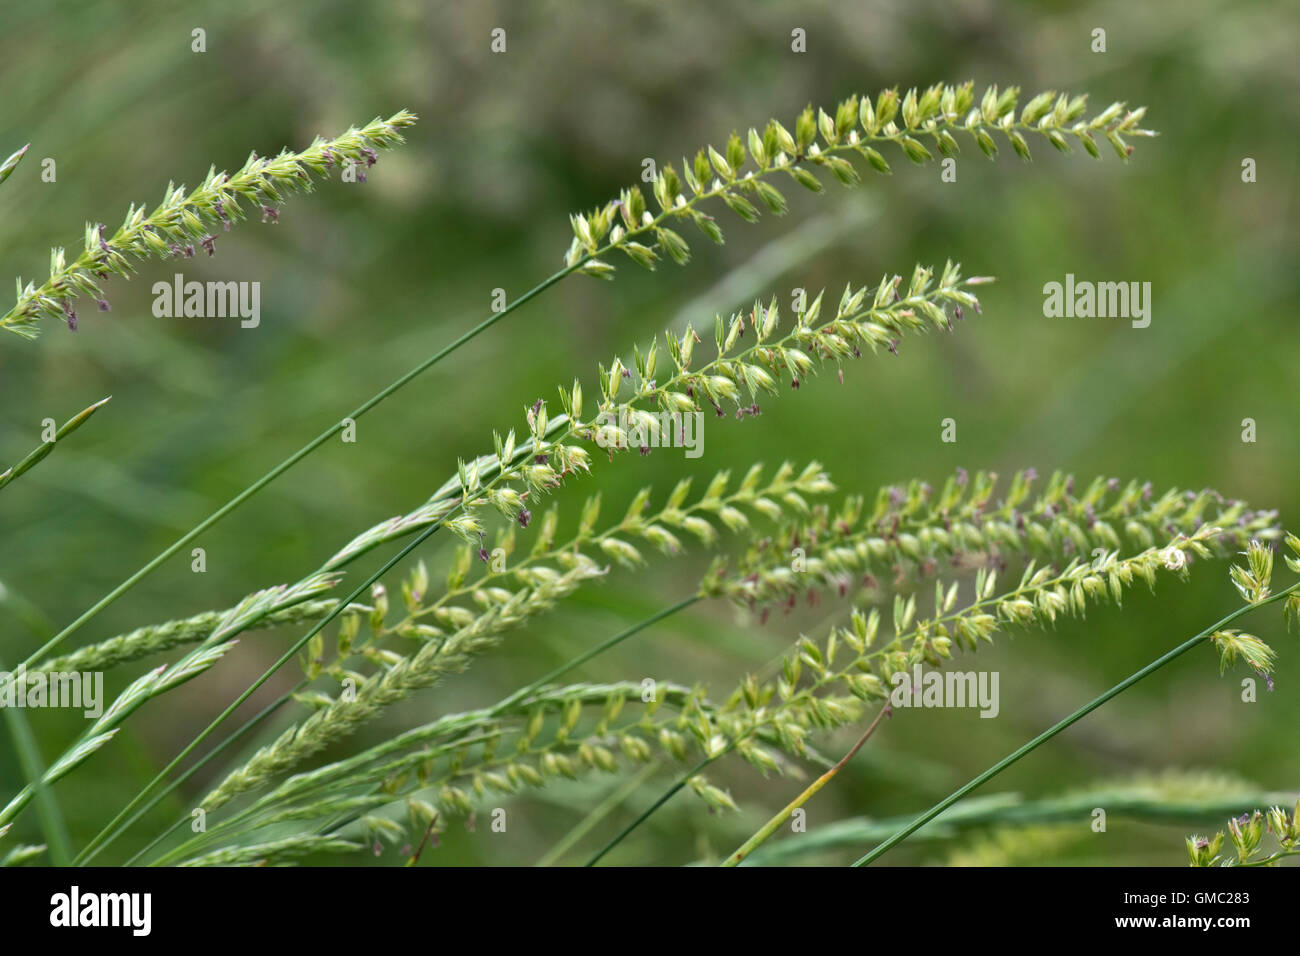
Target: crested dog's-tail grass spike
x=959 y=520
x=184 y=220
x=877 y=119
x=998 y=558
x=516 y=473
x=739 y=175
x=818 y=686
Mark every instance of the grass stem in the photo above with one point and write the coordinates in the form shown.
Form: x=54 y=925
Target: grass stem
x=1051 y=732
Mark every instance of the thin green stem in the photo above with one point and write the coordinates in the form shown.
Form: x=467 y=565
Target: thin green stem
x=53 y=826
x=672 y=792
x=919 y=295
x=760 y=837
x=289 y=462
x=51 y=820
x=1024 y=587
x=250 y=818
x=587 y=823
x=285 y=658
x=600 y=648
x=248 y=725
x=23 y=798
x=488 y=576
x=579 y=261
x=1270 y=860
x=1051 y=732
x=504 y=705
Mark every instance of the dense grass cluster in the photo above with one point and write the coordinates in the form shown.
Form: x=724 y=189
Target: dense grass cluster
x=998 y=557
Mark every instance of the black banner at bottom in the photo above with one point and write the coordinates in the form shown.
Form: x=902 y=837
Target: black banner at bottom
x=331 y=905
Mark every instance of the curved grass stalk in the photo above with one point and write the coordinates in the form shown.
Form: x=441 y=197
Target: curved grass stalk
x=785 y=485
x=520 y=697
x=70 y=426
x=766 y=830
x=117 y=821
x=928 y=114
x=49 y=815
x=749 y=586
x=974 y=784
x=742 y=168
x=114 y=825
x=332 y=788
x=182 y=220
x=1039 y=598
x=161 y=558
x=593 y=819
x=157 y=638
x=466 y=722
x=1039 y=583
x=889 y=313
x=453 y=653
x=821 y=712
x=248 y=726
x=910 y=515
x=1170 y=797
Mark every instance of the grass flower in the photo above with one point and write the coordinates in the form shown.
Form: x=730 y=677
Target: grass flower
x=185 y=219
x=739 y=175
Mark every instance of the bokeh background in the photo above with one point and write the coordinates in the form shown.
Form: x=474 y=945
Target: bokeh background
x=361 y=281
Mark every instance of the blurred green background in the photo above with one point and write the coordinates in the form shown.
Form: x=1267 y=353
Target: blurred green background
x=361 y=281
